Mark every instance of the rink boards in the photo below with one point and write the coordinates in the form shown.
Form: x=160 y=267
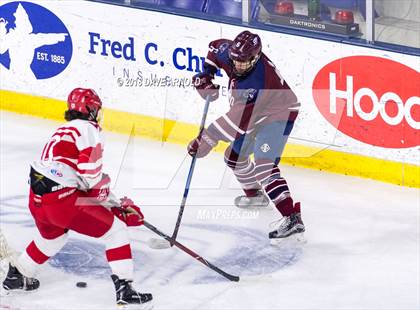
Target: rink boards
x=360 y=111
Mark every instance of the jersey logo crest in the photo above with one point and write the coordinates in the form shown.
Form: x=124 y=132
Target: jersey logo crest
x=35 y=45
x=56 y=173
x=223 y=47
x=250 y=94
x=265 y=148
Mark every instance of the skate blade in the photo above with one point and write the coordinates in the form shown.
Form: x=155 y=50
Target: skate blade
x=293 y=239
x=5 y=293
x=146 y=306
x=253 y=207
x=12 y=293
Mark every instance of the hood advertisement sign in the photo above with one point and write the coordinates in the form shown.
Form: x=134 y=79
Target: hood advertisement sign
x=363 y=97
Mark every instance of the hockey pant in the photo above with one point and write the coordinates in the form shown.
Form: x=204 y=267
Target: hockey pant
x=267 y=144
x=58 y=212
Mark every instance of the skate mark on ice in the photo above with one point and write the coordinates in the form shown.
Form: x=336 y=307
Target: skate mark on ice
x=7 y=307
x=156 y=270
x=252 y=256
x=166 y=265
x=82 y=258
x=87 y=259
x=13 y=210
x=16 y=201
x=166 y=275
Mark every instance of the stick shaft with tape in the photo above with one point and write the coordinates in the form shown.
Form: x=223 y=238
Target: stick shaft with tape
x=190 y=174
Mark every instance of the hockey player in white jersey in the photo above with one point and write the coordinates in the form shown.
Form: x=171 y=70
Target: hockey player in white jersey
x=69 y=191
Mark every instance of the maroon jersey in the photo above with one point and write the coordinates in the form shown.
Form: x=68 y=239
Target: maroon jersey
x=259 y=97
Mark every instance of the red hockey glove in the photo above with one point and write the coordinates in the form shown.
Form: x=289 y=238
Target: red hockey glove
x=128 y=212
x=202 y=145
x=100 y=191
x=205 y=87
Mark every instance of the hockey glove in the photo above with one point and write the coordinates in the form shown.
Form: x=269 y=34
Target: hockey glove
x=205 y=87
x=128 y=212
x=100 y=191
x=202 y=145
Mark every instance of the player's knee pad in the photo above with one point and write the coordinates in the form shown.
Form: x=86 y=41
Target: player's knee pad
x=233 y=160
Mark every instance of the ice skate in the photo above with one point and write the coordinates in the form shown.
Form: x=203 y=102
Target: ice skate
x=126 y=296
x=16 y=281
x=290 y=227
x=259 y=201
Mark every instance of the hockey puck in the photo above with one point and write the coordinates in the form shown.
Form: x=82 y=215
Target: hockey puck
x=81 y=284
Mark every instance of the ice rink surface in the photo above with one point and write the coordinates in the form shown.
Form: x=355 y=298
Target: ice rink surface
x=362 y=250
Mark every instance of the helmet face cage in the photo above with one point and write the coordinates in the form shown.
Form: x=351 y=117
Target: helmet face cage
x=242 y=67
x=245 y=52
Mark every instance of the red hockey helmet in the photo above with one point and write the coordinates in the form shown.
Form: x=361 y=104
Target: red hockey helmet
x=245 y=52
x=85 y=101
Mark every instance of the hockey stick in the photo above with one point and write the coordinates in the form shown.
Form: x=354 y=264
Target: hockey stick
x=156 y=243
x=113 y=202
x=190 y=252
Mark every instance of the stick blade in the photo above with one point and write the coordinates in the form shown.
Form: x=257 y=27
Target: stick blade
x=158 y=243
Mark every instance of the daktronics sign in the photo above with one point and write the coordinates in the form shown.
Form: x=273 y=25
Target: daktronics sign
x=371 y=99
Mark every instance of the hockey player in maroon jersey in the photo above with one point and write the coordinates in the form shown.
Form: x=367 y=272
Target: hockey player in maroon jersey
x=262 y=112
x=69 y=191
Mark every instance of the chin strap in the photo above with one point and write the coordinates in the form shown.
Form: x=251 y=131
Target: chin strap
x=93 y=114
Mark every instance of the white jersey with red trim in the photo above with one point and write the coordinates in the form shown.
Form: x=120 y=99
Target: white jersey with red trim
x=73 y=155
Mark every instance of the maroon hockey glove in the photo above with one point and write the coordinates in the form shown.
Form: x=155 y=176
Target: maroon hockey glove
x=205 y=87
x=100 y=191
x=128 y=212
x=202 y=145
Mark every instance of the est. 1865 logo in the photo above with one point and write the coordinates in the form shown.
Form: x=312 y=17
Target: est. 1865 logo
x=35 y=44
x=372 y=99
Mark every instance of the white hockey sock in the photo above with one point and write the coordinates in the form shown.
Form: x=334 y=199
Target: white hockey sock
x=118 y=250
x=38 y=252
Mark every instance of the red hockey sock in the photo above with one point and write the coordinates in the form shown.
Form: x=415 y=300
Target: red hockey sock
x=252 y=192
x=286 y=207
x=122 y=252
x=121 y=262
x=36 y=254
